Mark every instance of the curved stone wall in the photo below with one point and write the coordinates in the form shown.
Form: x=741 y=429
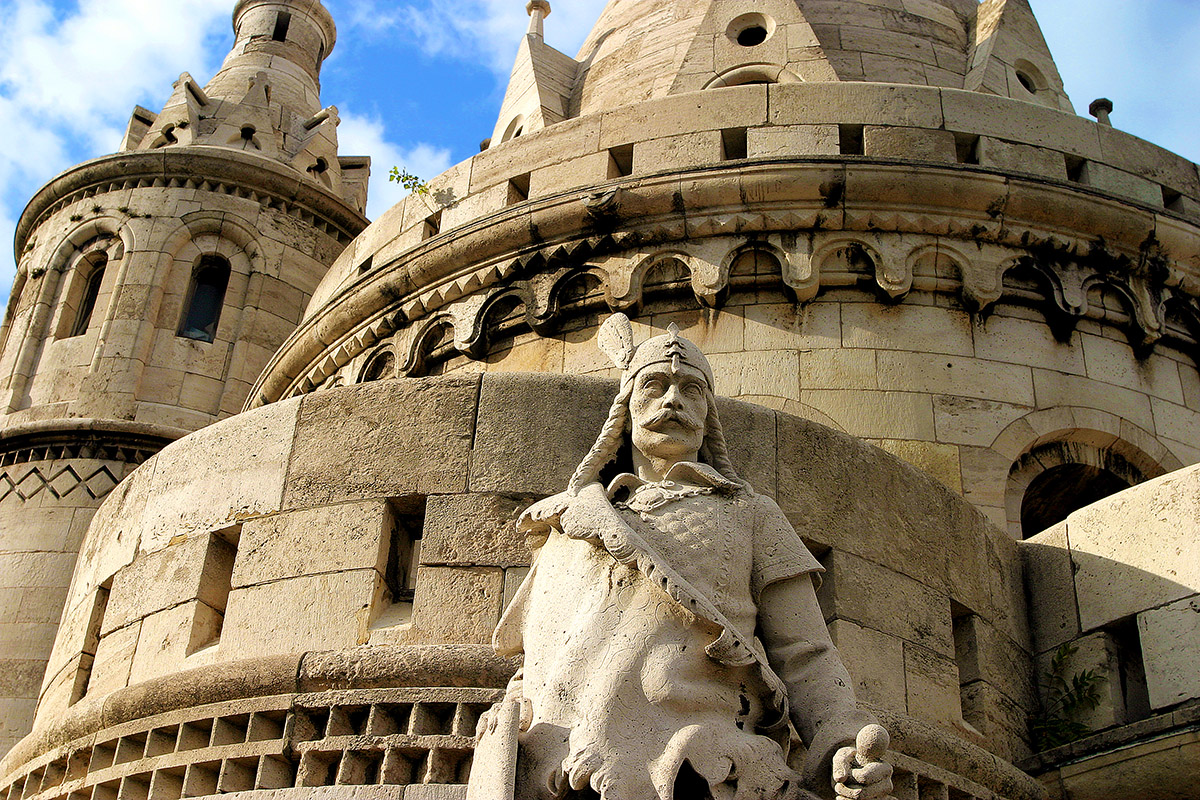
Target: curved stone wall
x=1118 y=584
x=989 y=279
x=291 y=529
x=85 y=396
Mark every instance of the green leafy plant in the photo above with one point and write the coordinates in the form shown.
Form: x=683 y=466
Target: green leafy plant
x=409 y=181
x=1066 y=697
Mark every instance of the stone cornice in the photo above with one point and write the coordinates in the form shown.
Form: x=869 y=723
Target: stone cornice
x=209 y=168
x=975 y=206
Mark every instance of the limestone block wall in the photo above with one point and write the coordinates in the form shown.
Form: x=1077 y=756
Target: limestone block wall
x=130 y=362
x=382 y=514
x=1118 y=583
x=49 y=490
x=984 y=291
x=95 y=374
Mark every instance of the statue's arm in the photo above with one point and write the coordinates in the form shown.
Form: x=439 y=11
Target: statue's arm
x=820 y=692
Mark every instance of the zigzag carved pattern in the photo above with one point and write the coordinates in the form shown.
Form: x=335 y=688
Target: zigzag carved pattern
x=98 y=483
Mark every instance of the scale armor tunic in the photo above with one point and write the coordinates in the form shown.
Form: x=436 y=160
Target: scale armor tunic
x=626 y=683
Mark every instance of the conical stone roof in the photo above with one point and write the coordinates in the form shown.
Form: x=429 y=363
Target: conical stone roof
x=642 y=49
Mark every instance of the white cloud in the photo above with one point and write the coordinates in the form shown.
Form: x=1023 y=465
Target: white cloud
x=69 y=80
x=482 y=31
x=106 y=55
x=367 y=136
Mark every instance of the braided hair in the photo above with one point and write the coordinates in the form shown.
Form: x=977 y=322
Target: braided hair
x=607 y=445
x=714 y=451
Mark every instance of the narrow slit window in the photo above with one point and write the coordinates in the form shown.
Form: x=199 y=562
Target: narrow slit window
x=87 y=303
x=216 y=584
x=620 y=161
x=282 y=22
x=405 y=524
x=91 y=642
x=733 y=144
x=850 y=140
x=518 y=189
x=206 y=297
x=964 y=624
x=433 y=225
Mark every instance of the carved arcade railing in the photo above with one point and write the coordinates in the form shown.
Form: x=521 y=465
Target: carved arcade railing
x=358 y=738
x=385 y=737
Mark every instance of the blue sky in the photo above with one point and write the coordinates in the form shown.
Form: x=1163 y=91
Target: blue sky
x=418 y=83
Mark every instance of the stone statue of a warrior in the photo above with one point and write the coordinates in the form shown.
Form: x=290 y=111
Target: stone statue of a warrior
x=669 y=624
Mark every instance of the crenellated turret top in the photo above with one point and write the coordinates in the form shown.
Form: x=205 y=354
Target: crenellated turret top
x=643 y=49
x=265 y=99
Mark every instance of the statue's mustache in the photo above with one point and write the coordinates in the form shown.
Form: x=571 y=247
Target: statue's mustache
x=671 y=415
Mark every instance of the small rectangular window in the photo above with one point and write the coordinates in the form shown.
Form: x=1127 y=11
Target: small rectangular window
x=433 y=225
x=404 y=526
x=850 y=140
x=282 y=22
x=91 y=642
x=1132 y=670
x=733 y=143
x=1172 y=200
x=216 y=584
x=964 y=623
x=1077 y=169
x=620 y=161
x=518 y=189
x=967 y=148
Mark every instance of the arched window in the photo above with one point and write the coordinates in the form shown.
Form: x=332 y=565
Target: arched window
x=205 y=298
x=381 y=365
x=1062 y=490
x=91 y=291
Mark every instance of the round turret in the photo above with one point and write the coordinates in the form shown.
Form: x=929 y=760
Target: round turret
x=152 y=287
x=288 y=39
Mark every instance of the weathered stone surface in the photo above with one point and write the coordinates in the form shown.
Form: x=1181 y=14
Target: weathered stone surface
x=875 y=661
x=932 y=686
x=474 y=530
x=157 y=581
x=1170 y=639
x=855 y=586
x=1053 y=615
x=457 y=604
x=250 y=452
x=511 y=451
x=317 y=612
x=328 y=539
x=384 y=439
x=1130 y=551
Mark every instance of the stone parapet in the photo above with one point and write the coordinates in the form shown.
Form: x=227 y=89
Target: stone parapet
x=470 y=235
x=216 y=170
x=364 y=723
x=381 y=515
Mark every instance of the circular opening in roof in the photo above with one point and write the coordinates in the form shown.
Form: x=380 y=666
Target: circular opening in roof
x=755 y=34
x=750 y=30
x=1030 y=78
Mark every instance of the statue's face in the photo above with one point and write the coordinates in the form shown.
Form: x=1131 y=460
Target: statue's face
x=668 y=409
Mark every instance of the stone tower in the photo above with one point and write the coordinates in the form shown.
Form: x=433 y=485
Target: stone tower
x=954 y=319
x=152 y=287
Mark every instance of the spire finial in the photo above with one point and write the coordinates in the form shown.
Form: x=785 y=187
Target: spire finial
x=538 y=11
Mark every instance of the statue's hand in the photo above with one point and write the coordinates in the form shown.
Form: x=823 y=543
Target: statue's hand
x=859 y=772
x=547 y=511
x=491 y=718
